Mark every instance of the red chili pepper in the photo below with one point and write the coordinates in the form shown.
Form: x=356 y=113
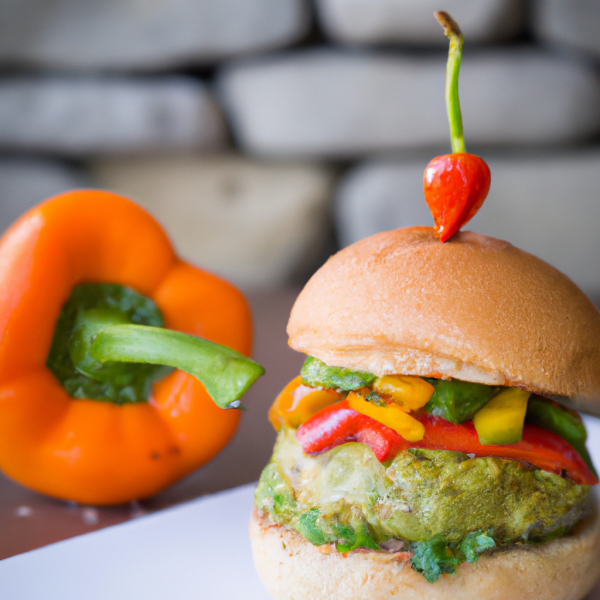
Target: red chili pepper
x=338 y=424
x=455 y=187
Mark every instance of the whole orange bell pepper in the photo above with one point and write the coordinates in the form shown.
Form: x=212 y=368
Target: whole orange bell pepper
x=89 y=450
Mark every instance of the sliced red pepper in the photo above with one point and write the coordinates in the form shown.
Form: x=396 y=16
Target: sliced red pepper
x=338 y=424
x=384 y=442
x=330 y=427
x=538 y=446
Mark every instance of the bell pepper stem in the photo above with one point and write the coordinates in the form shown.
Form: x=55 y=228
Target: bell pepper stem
x=225 y=373
x=452 y=31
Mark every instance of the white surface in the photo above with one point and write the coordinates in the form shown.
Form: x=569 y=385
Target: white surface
x=592 y=424
x=198 y=550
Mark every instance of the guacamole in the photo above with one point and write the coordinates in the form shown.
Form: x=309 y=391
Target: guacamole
x=345 y=495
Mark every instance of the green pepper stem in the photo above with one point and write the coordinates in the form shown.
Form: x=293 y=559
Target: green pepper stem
x=452 y=31
x=101 y=342
x=225 y=373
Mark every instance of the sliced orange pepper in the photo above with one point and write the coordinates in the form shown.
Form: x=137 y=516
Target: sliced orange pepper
x=86 y=450
x=296 y=403
x=282 y=403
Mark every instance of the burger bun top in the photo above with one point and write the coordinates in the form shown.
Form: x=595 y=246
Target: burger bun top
x=474 y=308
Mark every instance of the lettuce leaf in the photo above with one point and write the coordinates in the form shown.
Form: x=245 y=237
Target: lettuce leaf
x=437 y=556
x=316 y=373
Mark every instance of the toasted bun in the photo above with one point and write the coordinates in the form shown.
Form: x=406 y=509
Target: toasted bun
x=294 y=569
x=474 y=308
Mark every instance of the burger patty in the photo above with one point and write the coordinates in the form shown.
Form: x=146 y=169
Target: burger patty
x=346 y=495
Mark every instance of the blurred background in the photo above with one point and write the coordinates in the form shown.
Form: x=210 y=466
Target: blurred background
x=266 y=134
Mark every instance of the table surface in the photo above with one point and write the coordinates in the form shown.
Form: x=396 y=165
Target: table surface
x=29 y=520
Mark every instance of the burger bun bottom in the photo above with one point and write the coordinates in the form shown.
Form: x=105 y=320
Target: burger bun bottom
x=293 y=569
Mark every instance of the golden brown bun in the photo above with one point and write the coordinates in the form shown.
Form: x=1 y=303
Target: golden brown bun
x=474 y=308
x=294 y=569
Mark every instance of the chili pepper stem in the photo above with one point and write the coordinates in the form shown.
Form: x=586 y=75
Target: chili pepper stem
x=102 y=341
x=452 y=31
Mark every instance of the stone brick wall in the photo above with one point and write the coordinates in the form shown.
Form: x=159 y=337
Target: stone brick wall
x=251 y=126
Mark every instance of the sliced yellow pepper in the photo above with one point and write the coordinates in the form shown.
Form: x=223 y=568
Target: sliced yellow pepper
x=406 y=390
x=501 y=420
x=293 y=406
x=391 y=416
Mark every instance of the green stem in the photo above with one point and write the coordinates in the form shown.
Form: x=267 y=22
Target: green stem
x=226 y=374
x=101 y=343
x=452 y=31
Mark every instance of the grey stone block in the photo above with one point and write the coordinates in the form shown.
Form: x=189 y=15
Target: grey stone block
x=74 y=116
x=25 y=182
x=572 y=23
x=143 y=34
x=412 y=21
x=343 y=104
x=254 y=223
x=547 y=205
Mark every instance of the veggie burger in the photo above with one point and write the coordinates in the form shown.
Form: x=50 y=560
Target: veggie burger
x=429 y=447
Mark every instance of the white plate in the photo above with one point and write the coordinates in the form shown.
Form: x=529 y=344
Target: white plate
x=199 y=550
